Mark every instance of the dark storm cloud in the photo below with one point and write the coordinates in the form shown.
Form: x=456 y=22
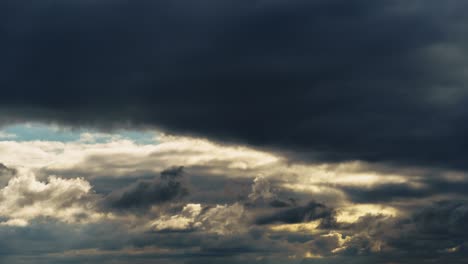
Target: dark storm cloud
x=389 y=192
x=323 y=79
x=433 y=234
x=385 y=193
x=172 y=173
x=144 y=193
x=446 y=219
x=280 y=203
x=310 y=212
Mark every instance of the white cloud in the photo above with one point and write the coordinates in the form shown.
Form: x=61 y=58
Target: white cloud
x=117 y=156
x=25 y=198
x=183 y=221
x=221 y=219
x=261 y=189
x=224 y=219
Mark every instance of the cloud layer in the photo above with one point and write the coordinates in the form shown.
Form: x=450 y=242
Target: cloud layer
x=189 y=200
x=299 y=131
x=322 y=80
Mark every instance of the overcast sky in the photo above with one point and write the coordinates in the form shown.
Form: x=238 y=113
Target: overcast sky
x=233 y=131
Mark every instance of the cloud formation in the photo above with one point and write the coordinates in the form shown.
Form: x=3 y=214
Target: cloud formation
x=288 y=131
x=321 y=80
x=145 y=193
x=197 y=228
x=310 y=212
x=25 y=198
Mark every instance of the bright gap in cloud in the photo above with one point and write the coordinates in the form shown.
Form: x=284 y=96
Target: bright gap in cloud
x=43 y=132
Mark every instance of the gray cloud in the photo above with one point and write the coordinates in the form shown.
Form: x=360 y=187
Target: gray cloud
x=142 y=194
x=5 y=174
x=223 y=207
x=322 y=81
x=316 y=80
x=434 y=233
x=310 y=212
x=425 y=188
x=4 y=170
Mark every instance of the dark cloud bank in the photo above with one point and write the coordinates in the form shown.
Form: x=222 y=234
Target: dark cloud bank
x=323 y=79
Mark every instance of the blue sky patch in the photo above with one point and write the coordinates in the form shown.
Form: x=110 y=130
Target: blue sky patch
x=43 y=132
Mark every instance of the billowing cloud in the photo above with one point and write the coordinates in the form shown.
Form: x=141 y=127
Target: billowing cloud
x=4 y=170
x=182 y=199
x=25 y=198
x=144 y=193
x=184 y=221
x=261 y=190
x=5 y=174
x=224 y=219
x=220 y=219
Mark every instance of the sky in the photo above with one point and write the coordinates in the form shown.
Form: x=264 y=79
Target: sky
x=233 y=131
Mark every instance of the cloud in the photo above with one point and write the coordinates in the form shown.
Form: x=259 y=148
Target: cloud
x=6 y=173
x=119 y=199
x=394 y=192
x=4 y=170
x=261 y=189
x=310 y=212
x=318 y=80
x=221 y=220
x=185 y=221
x=144 y=193
x=326 y=244
x=25 y=198
x=444 y=218
x=224 y=219
x=433 y=233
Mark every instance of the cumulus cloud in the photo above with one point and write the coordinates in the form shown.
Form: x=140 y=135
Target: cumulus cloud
x=222 y=173
x=326 y=244
x=220 y=219
x=4 y=170
x=184 y=221
x=261 y=189
x=118 y=184
x=145 y=193
x=25 y=198
x=5 y=174
x=224 y=219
